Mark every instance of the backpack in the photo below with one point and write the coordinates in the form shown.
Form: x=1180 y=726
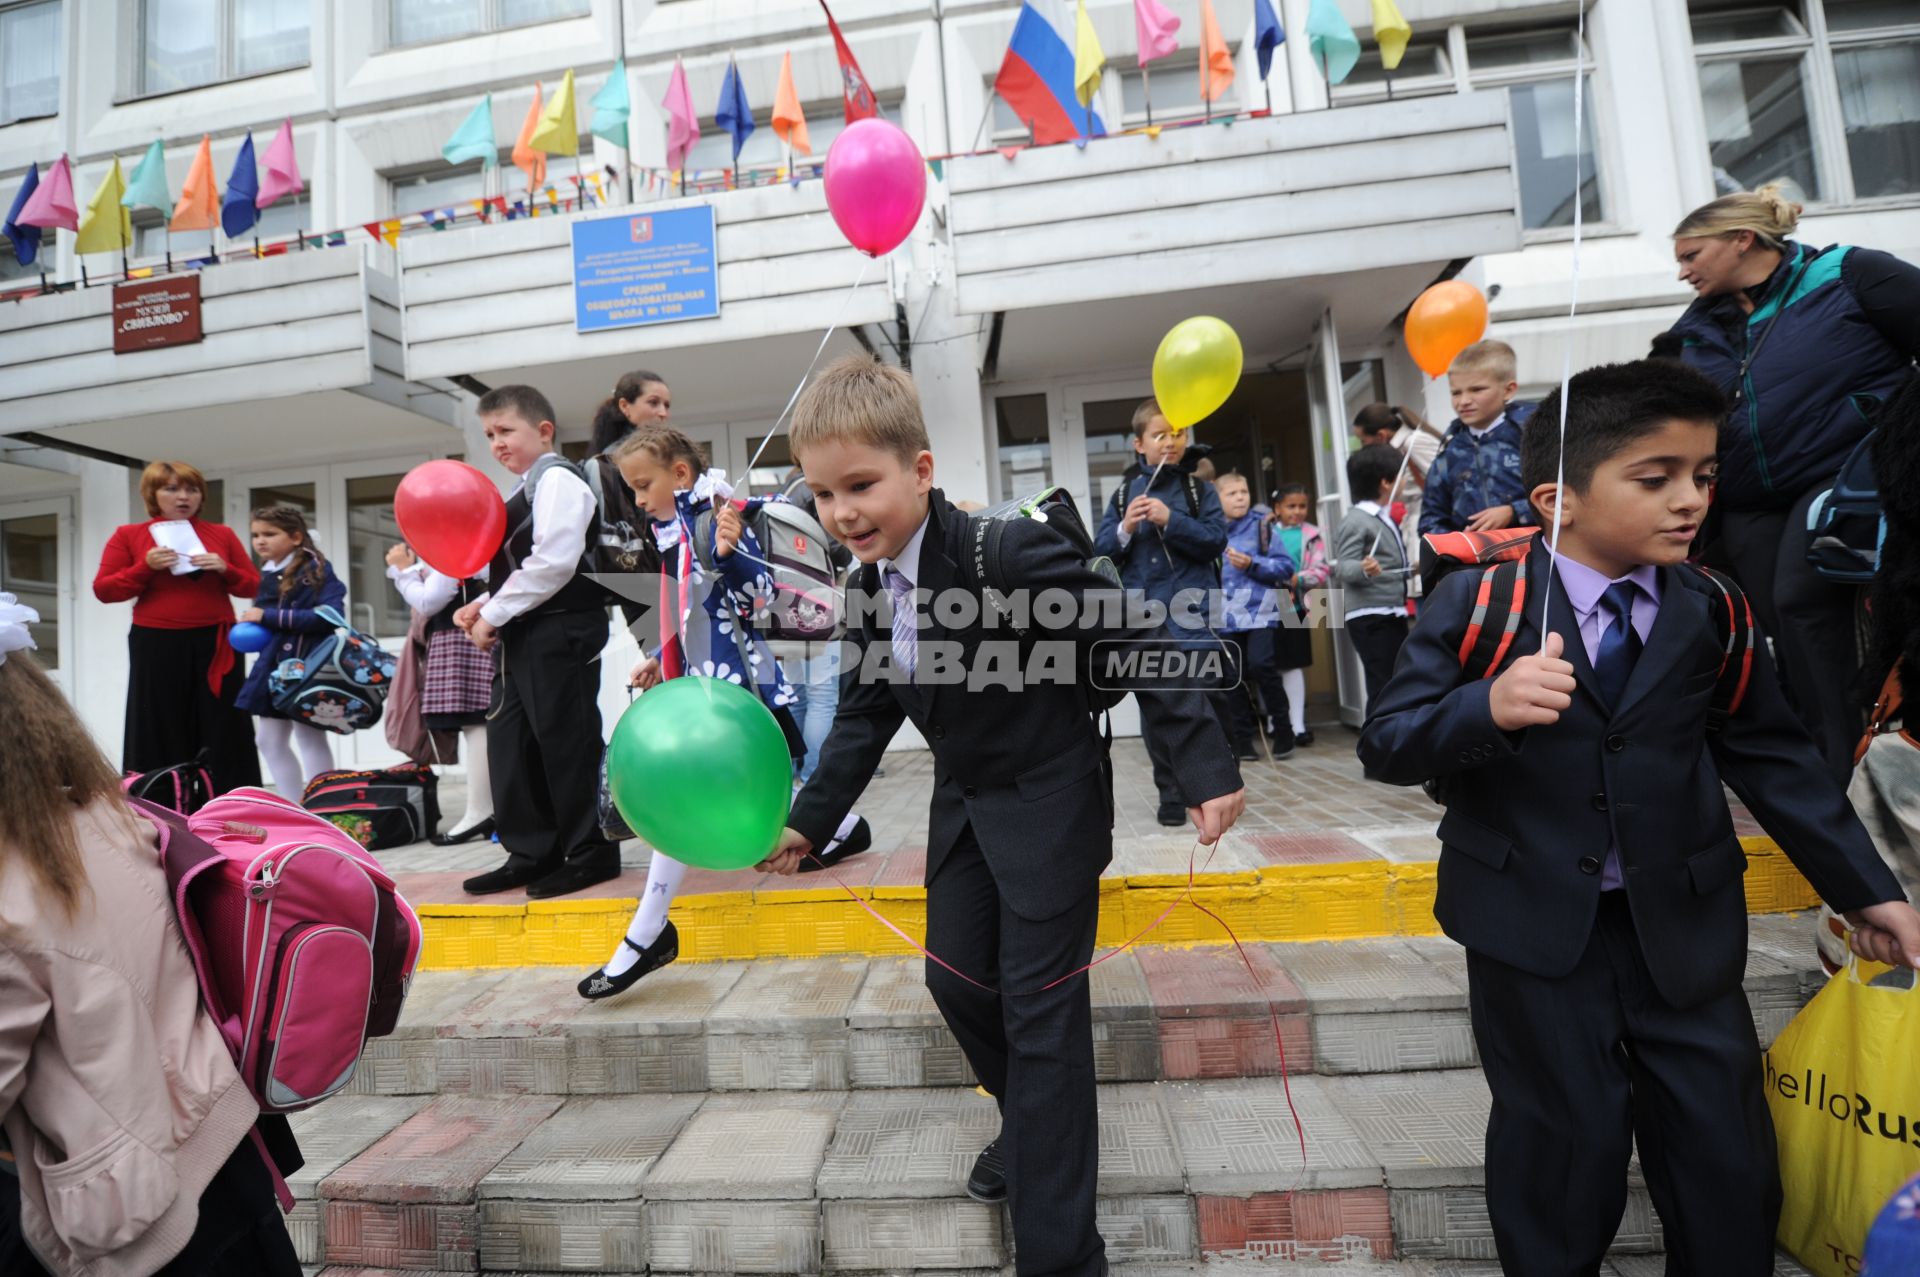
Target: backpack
x=303 y=946
x=806 y=602
x=183 y=787
x=341 y=685
x=1845 y=526
x=400 y=805
x=1192 y=486
x=626 y=542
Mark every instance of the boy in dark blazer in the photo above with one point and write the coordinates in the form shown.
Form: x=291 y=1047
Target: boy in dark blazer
x=1589 y=862
x=1022 y=809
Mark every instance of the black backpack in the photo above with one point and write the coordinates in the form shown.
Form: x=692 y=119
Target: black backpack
x=1845 y=525
x=626 y=540
x=183 y=787
x=399 y=804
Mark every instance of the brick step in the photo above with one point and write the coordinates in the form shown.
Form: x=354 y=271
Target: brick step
x=837 y=1024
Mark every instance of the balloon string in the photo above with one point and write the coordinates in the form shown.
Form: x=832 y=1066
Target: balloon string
x=1573 y=308
x=746 y=479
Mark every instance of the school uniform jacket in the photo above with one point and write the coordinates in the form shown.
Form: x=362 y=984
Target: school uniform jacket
x=1530 y=814
x=1026 y=768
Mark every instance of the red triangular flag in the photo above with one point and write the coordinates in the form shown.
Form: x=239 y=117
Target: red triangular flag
x=859 y=95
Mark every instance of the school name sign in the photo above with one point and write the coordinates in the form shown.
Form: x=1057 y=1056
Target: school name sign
x=151 y=313
x=645 y=268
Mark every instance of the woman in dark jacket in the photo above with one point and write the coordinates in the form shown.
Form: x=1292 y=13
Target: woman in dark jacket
x=1808 y=344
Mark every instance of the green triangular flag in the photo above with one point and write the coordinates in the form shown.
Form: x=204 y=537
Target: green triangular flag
x=1334 y=46
x=939 y=169
x=473 y=140
x=148 y=188
x=611 y=107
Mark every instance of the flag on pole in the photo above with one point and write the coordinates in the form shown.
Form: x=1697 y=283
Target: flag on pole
x=853 y=85
x=526 y=157
x=51 y=203
x=557 y=134
x=199 y=204
x=1088 y=56
x=1216 y=63
x=473 y=140
x=1332 y=42
x=1037 y=74
x=238 y=212
x=683 y=122
x=1156 y=28
x=108 y=227
x=1268 y=34
x=611 y=107
x=147 y=188
x=24 y=238
x=1390 y=32
x=789 y=121
x=283 y=168
x=733 y=114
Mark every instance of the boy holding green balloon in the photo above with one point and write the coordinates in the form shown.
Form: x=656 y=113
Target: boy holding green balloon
x=1022 y=807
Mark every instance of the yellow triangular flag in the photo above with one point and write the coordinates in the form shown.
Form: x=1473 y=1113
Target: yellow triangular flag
x=1088 y=57
x=108 y=225
x=556 y=134
x=1390 y=32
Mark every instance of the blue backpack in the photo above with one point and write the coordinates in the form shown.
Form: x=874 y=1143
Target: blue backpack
x=1845 y=525
x=341 y=685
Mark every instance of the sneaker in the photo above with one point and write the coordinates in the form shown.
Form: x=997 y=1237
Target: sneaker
x=664 y=949
x=988 y=1183
x=1172 y=815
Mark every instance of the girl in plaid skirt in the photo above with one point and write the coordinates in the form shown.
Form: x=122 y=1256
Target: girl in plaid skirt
x=458 y=684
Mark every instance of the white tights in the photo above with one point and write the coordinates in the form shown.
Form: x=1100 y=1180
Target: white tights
x=473 y=742
x=1295 y=683
x=279 y=739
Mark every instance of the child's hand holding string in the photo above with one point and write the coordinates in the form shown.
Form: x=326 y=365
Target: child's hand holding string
x=1534 y=689
x=727 y=528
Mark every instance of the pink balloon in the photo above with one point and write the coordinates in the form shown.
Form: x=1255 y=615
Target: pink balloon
x=876 y=185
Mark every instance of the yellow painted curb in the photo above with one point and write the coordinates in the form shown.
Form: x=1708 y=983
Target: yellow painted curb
x=1348 y=901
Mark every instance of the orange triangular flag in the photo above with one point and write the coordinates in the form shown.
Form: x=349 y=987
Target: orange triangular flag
x=1216 y=63
x=199 y=206
x=529 y=161
x=789 y=121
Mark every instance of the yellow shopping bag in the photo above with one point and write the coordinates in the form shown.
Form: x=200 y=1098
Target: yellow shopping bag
x=1843 y=1082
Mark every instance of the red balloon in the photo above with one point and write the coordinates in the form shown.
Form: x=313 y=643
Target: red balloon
x=451 y=515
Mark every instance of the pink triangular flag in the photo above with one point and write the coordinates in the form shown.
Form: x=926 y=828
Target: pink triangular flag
x=683 y=127
x=1156 y=28
x=52 y=201
x=280 y=171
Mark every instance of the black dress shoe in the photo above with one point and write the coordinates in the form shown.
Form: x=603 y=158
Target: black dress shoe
x=1172 y=815
x=664 y=949
x=515 y=873
x=576 y=875
x=988 y=1183
x=1282 y=746
x=1246 y=753
x=473 y=834
x=1303 y=738
x=853 y=844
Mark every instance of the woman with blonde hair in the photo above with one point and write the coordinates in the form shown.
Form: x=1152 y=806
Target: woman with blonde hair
x=1808 y=344
x=128 y=1124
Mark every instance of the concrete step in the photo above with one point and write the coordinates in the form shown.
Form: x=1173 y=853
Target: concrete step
x=1620 y=1266
x=867 y=1183
x=839 y=1024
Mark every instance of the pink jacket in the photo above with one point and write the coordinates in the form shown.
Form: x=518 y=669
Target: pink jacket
x=119 y=1096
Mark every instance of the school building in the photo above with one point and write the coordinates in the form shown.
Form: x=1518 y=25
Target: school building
x=1027 y=303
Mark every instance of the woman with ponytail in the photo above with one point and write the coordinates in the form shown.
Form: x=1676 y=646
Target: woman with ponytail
x=639 y=398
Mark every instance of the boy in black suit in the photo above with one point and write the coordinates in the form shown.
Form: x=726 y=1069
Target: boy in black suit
x=1589 y=862
x=1022 y=811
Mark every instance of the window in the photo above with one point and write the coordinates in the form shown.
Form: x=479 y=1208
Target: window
x=1538 y=67
x=1109 y=431
x=1024 y=442
x=30 y=569
x=29 y=61
x=425 y=21
x=1426 y=68
x=764 y=149
x=288 y=215
x=187 y=43
x=377 y=607
x=1763 y=72
x=441 y=186
x=13 y=274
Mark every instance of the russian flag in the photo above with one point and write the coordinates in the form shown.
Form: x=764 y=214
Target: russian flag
x=1036 y=76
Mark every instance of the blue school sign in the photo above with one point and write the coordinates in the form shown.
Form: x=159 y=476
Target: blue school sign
x=644 y=268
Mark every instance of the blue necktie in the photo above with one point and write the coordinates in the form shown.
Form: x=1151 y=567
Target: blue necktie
x=1619 y=643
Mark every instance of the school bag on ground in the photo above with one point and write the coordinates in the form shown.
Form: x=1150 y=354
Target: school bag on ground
x=805 y=607
x=183 y=787
x=401 y=805
x=339 y=686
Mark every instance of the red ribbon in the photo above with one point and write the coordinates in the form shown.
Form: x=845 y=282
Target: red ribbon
x=223 y=658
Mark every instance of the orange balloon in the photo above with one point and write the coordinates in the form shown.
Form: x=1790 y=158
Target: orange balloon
x=1446 y=319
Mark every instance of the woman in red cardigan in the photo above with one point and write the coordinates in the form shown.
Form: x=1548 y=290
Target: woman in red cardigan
x=182 y=676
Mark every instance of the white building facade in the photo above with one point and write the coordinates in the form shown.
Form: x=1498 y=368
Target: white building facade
x=1027 y=303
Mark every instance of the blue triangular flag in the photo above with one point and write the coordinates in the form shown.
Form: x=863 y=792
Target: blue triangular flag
x=733 y=114
x=237 y=212
x=26 y=239
x=1268 y=34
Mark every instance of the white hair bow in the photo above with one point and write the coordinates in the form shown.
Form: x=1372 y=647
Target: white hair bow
x=15 y=617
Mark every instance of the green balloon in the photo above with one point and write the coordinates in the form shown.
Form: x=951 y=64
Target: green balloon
x=699 y=768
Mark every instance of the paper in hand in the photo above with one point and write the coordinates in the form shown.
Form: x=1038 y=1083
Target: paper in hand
x=178 y=535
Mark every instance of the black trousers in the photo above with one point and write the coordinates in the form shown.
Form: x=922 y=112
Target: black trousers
x=1583 y=1065
x=1253 y=653
x=543 y=741
x=1033 y=1049
x=173 y=715
x=1377 y=640
x=1810 y=619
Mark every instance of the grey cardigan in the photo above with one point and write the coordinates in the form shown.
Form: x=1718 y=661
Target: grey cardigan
x=1356 y=535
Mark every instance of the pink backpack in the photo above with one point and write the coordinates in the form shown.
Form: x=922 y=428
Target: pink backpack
x=303 y=946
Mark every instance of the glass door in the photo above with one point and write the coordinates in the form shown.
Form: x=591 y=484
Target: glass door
x=1327 y=404
x=36 y=567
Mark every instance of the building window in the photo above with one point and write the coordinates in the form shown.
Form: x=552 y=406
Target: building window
x=188 y=43
x=287 y=216
x=1023 y=440
x=29 y=61
x=1538 y=67
x=30 y=569
x=1763 y=69
x=444 y=186
x=427 y=21
x=12 y=273
x=764 y=149
x=1424 y=70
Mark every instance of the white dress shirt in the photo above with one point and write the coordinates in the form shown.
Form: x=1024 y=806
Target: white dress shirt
x=908 y=564
x=425 y=590
x=563 y=509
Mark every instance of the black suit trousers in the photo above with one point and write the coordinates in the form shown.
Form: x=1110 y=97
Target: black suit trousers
x=1582 y=1066
x=1031 y=1047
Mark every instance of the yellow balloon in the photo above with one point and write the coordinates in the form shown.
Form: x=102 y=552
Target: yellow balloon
x=1195 y=369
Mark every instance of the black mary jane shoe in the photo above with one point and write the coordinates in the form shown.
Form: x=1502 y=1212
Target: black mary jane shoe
x=853 y=844
x=664 y=949
x=477 y=833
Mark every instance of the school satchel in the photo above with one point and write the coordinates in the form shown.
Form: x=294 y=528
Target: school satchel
x=183 y=787
x=340 y=686
x=806 y=602
x=625 y=543
x=400 y=804
x=1845 y=524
